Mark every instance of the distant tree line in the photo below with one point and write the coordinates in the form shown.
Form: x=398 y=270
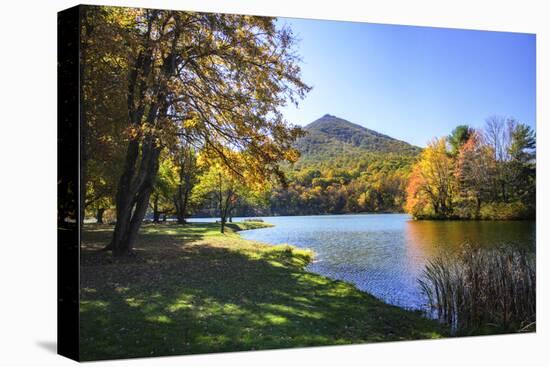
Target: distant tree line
x=368 y=182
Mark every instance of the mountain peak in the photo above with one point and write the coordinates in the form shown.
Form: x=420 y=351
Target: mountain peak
x=328 y=121
x=330 y=130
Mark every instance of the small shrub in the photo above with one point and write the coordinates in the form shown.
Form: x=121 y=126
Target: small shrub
x=287 y=251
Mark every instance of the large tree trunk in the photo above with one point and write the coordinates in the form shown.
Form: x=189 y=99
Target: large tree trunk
x=136 y=184
x=137 y=180
x=134 y=191
x=133 y=200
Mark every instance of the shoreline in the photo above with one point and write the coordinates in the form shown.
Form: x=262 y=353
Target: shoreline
x=312 y=260
x=419 y=219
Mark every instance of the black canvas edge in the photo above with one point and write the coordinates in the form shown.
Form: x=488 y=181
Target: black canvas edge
x=68 y=165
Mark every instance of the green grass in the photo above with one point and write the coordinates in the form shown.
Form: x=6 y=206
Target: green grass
x=191 y=289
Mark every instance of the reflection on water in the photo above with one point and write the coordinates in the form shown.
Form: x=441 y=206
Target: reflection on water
x=384 y=254
x=435 y=236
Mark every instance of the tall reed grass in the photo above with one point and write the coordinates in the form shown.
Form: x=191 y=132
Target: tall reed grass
x=483 y=290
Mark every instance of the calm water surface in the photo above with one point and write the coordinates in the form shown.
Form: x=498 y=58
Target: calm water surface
x=384 y=254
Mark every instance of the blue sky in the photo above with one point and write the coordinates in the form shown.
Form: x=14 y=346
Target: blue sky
x=413 y=83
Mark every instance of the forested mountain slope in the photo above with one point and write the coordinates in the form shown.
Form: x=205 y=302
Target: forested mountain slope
x=345 y=168
x=331 y=136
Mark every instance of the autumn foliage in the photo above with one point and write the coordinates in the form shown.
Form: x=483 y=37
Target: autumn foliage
x=472 y=174
x=159 y=82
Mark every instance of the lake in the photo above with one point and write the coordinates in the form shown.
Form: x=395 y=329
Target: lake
x=385 y=254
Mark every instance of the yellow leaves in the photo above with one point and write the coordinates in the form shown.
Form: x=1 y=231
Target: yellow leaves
x=122 y=17
x=147 y=129
x=292 y=155
x=138 y=132
x=168 y=170
x=191 y=123
x=431 y=182
x=114 y=60
x=131 y=132
x=237 y=175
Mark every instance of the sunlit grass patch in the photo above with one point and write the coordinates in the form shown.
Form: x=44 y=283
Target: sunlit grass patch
x=93 y=305
x=163 y=319
x=182 y=302
x=133 y=302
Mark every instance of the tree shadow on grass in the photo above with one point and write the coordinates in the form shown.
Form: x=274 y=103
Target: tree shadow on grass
x=218 y=299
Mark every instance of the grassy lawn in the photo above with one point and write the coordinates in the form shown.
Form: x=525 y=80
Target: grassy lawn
x=191 y=289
